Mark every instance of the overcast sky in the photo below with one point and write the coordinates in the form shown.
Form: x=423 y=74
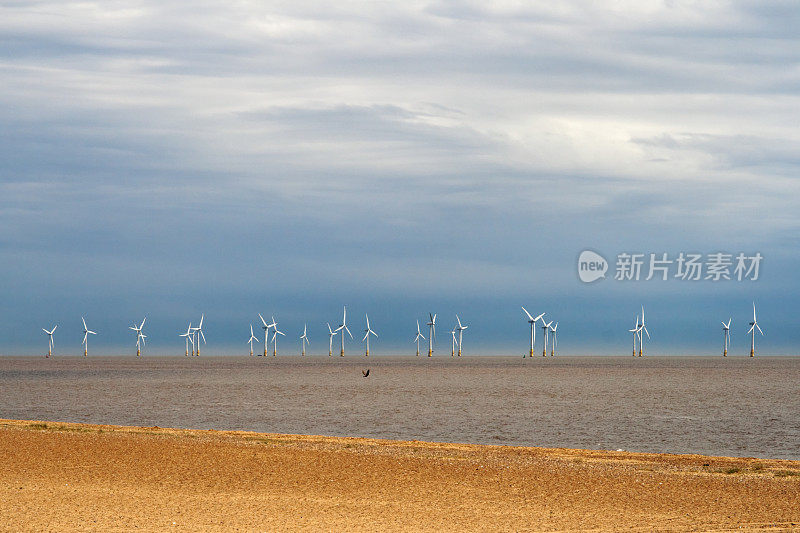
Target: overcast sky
x=175 y=158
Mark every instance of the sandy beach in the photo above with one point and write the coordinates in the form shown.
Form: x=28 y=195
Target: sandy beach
x=59 y=476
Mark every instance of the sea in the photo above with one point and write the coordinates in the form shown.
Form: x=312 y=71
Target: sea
x=741 y=407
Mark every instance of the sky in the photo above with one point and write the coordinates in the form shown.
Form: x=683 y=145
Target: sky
x=167 y=159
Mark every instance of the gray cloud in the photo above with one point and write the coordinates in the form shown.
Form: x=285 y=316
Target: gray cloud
x=201 y=154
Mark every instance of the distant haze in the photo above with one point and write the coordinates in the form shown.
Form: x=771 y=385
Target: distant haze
x=402 y=158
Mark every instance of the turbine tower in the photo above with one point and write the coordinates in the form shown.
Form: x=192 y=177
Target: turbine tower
x=753 y=326
x=545 y=329
x=251 y=339
x=460 y=330
x=275 y=339
x=139 y=336
x=188 y=336
x=726 y=337
x=50 y=340
x=344 y=327
x=367 y=333
x=331 y=334
x=265 y=327
x=86 y=332
x=198 y=331
x=304 y=340
x=635 y=332
x=431 y=333
x=553 y=347
x=453 y=352
x=416 y=339
x=642 y=327
x=532 y=321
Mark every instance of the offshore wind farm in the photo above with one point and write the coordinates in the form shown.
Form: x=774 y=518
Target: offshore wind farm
x=194 y=336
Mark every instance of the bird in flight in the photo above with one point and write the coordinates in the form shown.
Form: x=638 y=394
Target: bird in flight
x=365 y=372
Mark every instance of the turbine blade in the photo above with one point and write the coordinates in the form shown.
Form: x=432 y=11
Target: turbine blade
x=527 y=313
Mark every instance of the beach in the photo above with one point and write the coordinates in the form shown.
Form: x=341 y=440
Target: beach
x=60 y=476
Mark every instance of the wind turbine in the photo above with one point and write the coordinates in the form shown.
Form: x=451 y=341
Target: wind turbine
x=251 y=339
x=366 y=335
x=139 y=335
x=265 y=327
x=453 y=352
x=86 y=332
x=198 y=331
x=304 y=340
x=344 y=327
x=635 y=332
x=431 y=333
x=642 y=327
x=275 y=338
x=726 y=337
x=753 y=326
x=553 y=347
x=416 y=339
x=50 y=340
x=188 y=336
x=460 y=329
x=331 y=334
x=532 y=321
x=545 y=329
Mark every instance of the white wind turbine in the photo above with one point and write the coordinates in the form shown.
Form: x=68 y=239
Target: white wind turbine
x=532 y=321
x=453 y=352
x=367 y=333
x=50 y=340
x=251 y=339
x=139 y=336
x=753 y=326
x=275 y=338
x=460 y=330
x=635 y=332
x=726 y=337
x=198 y=332
x=304 y=340
x=188 y=336
x=331 y=334
x=344 y=327
x=416 y=339
x=553 y=347
x=431 y=333
x=545 y=329
x=86 y=332
x=642 y=327
x=265 y=327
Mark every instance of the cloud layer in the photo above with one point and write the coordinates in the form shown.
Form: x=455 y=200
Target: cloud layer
x=243 y=157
